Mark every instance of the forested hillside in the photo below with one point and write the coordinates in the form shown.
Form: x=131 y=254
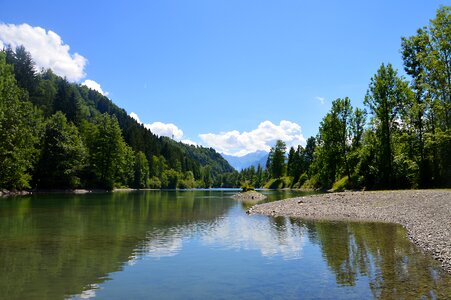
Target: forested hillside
x=56 y=134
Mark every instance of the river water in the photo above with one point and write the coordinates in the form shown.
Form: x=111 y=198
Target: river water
x=200 y=245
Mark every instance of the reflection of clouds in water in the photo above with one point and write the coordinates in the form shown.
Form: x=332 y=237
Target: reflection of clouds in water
x=89 y=293
x=164 y=247
x=161 y=243
x=258 y=233
x=235 y=231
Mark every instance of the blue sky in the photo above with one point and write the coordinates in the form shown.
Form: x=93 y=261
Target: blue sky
x=226 y=73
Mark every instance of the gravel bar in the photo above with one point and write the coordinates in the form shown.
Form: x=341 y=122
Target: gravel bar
x=426 y=214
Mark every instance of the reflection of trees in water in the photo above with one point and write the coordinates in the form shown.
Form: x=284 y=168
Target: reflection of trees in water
x=394 y=266
x=55 y=245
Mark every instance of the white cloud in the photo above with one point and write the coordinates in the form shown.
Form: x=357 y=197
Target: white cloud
x=135 y=116
x=321 y=99
x=46 y=48
x=261 y=138
x=94 y=86
x=163 y=129
x=189 y=142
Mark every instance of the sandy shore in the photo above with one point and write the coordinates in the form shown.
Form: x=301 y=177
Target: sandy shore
x=426 y=214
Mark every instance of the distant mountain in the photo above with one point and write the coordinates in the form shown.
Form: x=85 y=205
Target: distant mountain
x=251 y=159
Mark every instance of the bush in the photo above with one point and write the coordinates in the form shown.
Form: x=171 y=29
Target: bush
x=246 y=186
x=341 y=184
x=279 y=183
x=310 y=184
x=154 y=183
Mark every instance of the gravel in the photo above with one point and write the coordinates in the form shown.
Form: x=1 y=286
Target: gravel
x=426 y=214
x=250 y=195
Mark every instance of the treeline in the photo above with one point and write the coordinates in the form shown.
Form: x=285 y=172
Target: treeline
x=56 y=135
x=402 y=139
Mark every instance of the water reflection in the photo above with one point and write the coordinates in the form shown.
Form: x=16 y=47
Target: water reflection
x=269 y=236
x=52 y=247
x=396 y=269
x=55 y=245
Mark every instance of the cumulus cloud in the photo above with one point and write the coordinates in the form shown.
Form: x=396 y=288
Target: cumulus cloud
x=94 y=86
x=261 y=138
x=189 y=142
x=321 y=99
x=135 y=116
x=164 y=129
x=46 y=48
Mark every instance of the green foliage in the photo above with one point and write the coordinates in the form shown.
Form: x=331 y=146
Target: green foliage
x=108 y=153
x=246 y=186
x=112 y=146
x=302 y=179
x=386 y=97
x=341 y=184
x=276 y=160
x=426 y=60
x=90 y=142
x=155 y=183
x=141 y=168
x=339 y=141
x=170 y=179
x=63 y=155
x=20 y=131
x=279 y=183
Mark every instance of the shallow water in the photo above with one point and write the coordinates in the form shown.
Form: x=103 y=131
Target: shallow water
x=200 y=245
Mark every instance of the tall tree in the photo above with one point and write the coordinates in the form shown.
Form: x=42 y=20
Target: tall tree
x=308 y=153
x=277 y=165
x=63 y=155
x=24 y=70
x=106 y=150
x=386 y=96
x=427 y=60
x=142 y=173
x=339 y=137
x=20 y=131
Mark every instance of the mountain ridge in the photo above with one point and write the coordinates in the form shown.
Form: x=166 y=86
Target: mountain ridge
x=256 y=158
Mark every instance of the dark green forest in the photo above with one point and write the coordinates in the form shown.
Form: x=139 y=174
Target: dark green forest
x=56 y=134
x=401 y=139
x=60 y=135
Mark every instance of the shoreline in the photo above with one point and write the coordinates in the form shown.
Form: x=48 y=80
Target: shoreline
x=426 y=214
x=12 y=193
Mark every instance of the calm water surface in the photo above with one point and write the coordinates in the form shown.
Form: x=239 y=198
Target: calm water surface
x=199 y=245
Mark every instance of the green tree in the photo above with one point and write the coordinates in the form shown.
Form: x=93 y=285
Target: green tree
x=63 y=155
x=107 y=150
x=277 y=159
x=141 y=178
x=308 y=153
x=339 y=138
x=386 y=96
x=24 y=70
x=20 y=131
x=427 y=60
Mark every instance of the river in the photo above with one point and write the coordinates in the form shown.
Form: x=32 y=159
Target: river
x=200 y=245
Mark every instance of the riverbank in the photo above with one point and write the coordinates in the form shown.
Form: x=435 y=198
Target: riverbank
x=426 y=214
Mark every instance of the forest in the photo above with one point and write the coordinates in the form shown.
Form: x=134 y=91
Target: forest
x=401 y=139
x=60 y=135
